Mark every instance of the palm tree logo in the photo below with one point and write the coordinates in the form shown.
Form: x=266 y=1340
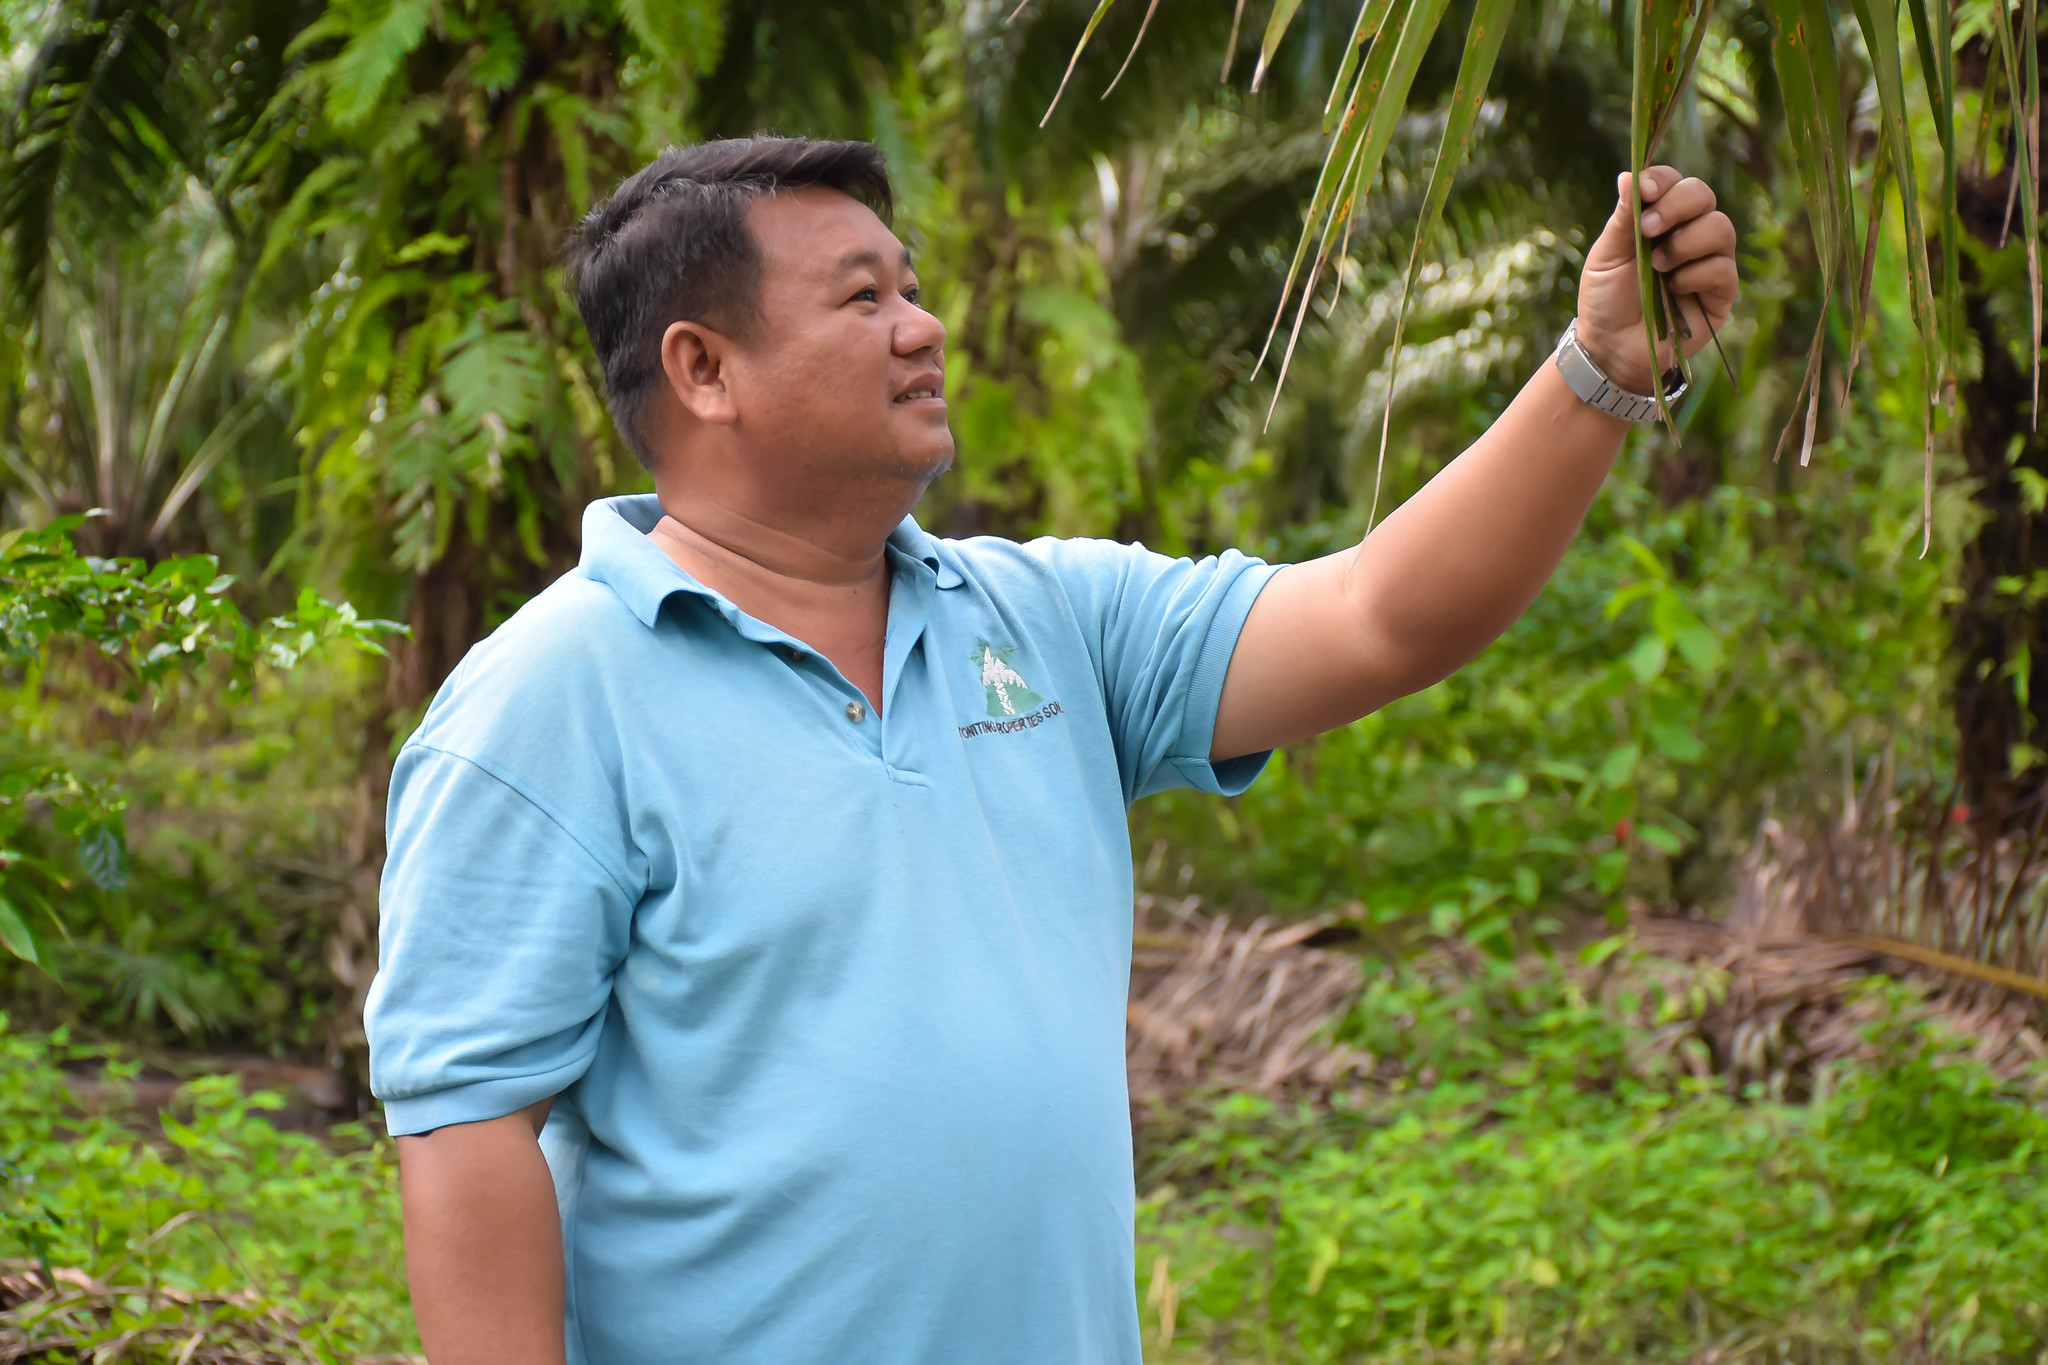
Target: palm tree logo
x=1006 y=691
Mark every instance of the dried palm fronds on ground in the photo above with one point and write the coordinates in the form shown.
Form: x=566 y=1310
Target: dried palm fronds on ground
x=1925 y=874
x=67 y=1316
x=1214 y=1005
x=1795 y=1003
x=1820 y=909
x=1774 y=990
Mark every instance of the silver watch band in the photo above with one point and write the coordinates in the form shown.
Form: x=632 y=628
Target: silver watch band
x=1593 y=386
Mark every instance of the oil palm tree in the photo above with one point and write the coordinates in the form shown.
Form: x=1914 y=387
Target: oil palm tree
x=142 y=159
x=386 y=183
x=131 y=392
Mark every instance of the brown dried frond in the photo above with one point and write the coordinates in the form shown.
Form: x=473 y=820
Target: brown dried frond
x=1823 y=906
x=1246 y=1009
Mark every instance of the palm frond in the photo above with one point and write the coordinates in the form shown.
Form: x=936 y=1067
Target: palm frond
x=1662 y=39
x=91 y=126
x=1398 y=45
x=1482 y=48
x=1276 y=29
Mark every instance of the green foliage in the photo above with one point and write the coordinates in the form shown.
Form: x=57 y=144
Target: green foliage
x=447 y=400
x=1725 y=634
x=1551 y=1188
x=241 y=817
x=1619 y=740
x=1547 y=1180
x=93 y=119
x=225 y=1201
x=1663 y=40
x=152 y=620
x=145 y=624
x=334 y=243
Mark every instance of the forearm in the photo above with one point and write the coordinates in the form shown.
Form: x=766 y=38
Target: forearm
x=1330 y=640
x=1455 y=565
x=483 y=1243
x=1333 y=639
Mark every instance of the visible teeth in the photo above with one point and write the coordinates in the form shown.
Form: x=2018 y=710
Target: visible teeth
x=918 y=393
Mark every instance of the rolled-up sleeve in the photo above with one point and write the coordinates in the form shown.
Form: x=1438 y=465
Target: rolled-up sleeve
x=501 y=928
x=1164 y=630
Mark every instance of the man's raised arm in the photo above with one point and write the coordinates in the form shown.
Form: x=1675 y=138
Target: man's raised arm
x=1333 y=639
x=483 y=1242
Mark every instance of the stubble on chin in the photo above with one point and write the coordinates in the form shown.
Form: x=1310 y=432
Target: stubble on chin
x=844 y=480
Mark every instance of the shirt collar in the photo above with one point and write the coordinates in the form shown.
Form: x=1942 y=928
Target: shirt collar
x=910 y=539
x=618 y=554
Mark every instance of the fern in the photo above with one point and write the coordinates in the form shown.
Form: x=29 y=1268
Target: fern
x=683 y=32
x=382 y=36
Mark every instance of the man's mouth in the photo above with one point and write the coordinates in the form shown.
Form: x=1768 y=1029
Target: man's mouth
x=930 y=387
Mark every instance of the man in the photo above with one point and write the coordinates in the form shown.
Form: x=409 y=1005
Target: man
x=767 y=879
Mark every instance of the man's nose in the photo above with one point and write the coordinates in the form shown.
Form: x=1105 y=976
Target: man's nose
x=918 y=331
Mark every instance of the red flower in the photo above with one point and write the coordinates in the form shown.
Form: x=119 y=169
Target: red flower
x=1623 y=828
x=1959 y=815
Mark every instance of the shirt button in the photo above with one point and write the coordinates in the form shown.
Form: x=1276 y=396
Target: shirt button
x=855 y=712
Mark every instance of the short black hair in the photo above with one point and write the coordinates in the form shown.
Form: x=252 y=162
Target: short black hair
x=671 y=245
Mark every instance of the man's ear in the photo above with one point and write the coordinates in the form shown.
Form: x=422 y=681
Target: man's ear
x=694 y=357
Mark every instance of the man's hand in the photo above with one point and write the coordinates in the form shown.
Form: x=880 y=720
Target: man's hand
x=1695 y=248
x=483 y=1242
x=1450 y=569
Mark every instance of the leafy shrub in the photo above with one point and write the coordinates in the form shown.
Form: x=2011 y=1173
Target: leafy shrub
x=1550 y=1196
x=238 y=819
x=115 y=645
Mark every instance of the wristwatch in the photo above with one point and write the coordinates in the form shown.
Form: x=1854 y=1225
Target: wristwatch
x=1593 y=386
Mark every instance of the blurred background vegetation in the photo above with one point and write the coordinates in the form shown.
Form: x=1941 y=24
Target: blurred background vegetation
x=283 y=289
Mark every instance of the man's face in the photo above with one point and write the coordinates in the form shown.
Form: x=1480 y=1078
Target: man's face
x=842 y=383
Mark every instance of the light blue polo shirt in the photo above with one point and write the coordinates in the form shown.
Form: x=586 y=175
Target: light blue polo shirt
x=833 y=1001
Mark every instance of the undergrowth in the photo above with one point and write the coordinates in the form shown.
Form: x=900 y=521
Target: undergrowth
x=1536 y=1181
x=222 y=1202
x=1558 y=1191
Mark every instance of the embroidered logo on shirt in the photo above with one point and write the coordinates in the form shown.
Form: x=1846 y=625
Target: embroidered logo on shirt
x=1011 y=701
x=1008 y=694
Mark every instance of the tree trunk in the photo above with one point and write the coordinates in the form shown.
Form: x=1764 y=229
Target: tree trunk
x=2001 y=687
x=446 y=615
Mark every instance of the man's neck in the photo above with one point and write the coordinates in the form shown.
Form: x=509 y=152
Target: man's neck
x=730 y=545
x=829 y=591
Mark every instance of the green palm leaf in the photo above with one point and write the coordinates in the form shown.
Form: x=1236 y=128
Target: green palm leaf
x=1276 y=29
x=1810 y=83
x=1475 y=69
x=1880 y=26
x=1376 y=71
x=1667 y=37
x=1094 y=22
x=2023 y=78
x=92 y=125
x=1932 y=25
x=1370 y=16
x=1382 y=89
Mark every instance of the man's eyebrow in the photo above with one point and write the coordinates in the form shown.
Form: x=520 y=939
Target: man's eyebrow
x=870 y=258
